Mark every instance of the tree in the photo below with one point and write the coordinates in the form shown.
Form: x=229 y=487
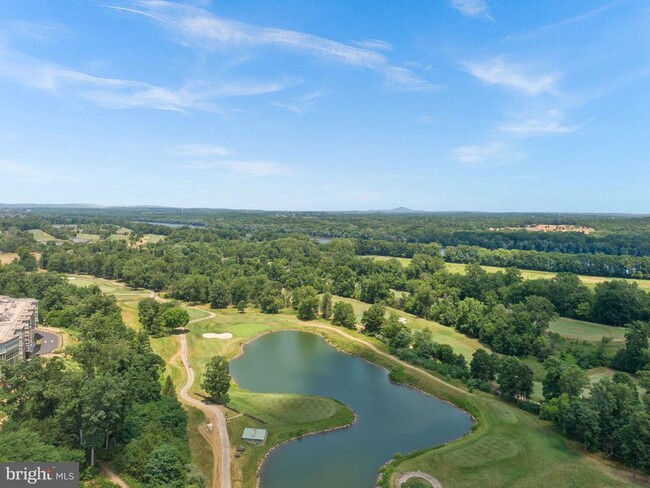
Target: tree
x=343 y=315
x=635 y=355
x=216 y=380
x=148 y=309
x=515 y=379
x=326 y=305
x=219 y=295
x=374 y=319
x=168 y=388
x=26 y=259
x=164 y=467
x=483 y=367
x=573 y=380
x=305 y=302
x=241 y=306
x=174 y=318
x=618 y=302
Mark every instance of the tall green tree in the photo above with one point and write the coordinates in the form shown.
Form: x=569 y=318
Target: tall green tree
x=374 y=318
x=343 y=315
x=216 y=380
x=326 y=305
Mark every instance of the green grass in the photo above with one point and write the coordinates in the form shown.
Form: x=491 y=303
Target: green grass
x=590 y=281
x=89 y=237
x=41 y=236
x=442 y=334
x=586 y=331
x=402 y=261
x=286 y=416
x=528 y=274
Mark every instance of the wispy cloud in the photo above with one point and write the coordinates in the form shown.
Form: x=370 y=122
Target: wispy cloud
x=550 y=122
x=248 y=168
x=122 y=93
x=374 y=44
x=198 y=27
x=492 y=153
x=568 y=21
x=301 y=104
x=200 y=150
x=472 y=8
x=36 y=31
x=497 y=71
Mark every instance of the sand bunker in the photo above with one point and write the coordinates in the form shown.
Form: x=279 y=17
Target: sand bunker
x=212 y=335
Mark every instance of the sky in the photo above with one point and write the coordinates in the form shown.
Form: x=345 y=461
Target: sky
x=440 y=105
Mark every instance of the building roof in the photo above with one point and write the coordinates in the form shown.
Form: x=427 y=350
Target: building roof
x=252 y=434
x=14 y=313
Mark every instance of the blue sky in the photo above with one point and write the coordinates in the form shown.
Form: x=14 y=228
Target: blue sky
x=488 y=105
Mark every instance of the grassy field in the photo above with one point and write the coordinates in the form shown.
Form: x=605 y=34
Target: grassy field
x=42 y=237
x=7 y=257
x=150 y=239
x=286 y=416
x=528 y=274
x=89 y=237
x=586 y=331
x=444 y=335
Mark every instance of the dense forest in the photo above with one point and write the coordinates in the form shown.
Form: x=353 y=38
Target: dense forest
x=104 y=401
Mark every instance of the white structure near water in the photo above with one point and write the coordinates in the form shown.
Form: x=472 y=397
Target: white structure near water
x=18 y=319
x=255 y=436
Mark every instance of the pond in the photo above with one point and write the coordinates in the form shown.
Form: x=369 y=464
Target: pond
x=391 y=418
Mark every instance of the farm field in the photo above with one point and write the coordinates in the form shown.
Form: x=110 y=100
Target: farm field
x=586 y=331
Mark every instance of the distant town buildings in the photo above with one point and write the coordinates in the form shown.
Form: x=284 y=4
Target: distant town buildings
x=18 y=319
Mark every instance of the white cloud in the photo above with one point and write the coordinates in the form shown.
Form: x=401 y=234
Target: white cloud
x=121 y=93
x=496 y=71
x=489 y=154
x=551 y=122
x=248 y=168
x=198 y=27
x=374 y=44
x=200 y=150
x=471 y=8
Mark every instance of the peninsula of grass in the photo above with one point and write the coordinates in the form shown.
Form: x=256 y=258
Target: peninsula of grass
x=285 y=416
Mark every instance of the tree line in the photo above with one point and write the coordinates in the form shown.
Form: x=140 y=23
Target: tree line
x=105 y=403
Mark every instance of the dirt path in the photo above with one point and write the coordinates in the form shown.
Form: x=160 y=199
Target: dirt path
x=218 y=438
x=112 y=477
x=402 y=478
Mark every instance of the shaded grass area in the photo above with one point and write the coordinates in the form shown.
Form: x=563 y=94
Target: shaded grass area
x=286 y=416
x=586 y=331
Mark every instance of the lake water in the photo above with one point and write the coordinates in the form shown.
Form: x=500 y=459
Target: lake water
x=391 y=418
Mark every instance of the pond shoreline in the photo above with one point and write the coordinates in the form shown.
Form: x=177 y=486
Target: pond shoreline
x=325 y=334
